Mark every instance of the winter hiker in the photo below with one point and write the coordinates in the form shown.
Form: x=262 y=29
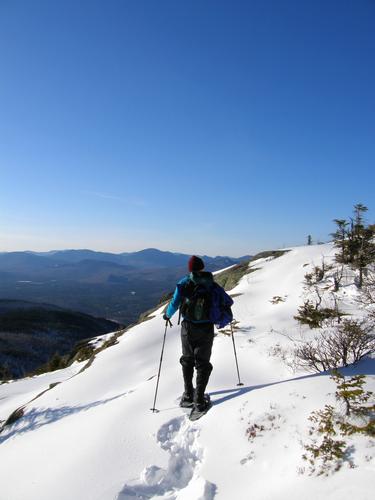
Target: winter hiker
x=202 y=304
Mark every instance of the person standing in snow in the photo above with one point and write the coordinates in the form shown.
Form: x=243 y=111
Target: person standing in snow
x=194 y=296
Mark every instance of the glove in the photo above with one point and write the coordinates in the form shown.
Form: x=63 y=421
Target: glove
x=167 y=320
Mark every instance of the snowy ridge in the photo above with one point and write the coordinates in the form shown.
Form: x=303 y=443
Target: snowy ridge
x=93 y=436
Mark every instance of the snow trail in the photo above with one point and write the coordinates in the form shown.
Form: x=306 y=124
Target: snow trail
x=181 y=479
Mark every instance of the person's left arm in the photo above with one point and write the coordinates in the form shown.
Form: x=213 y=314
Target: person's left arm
x=174 y=303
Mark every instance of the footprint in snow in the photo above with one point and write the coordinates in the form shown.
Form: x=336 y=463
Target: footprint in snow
x=182 y=476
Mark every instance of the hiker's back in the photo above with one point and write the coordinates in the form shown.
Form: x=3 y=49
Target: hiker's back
x=196 y=297
x=204 y=301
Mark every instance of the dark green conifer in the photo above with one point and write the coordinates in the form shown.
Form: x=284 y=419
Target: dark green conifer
x=355 y=241
x=340 y=239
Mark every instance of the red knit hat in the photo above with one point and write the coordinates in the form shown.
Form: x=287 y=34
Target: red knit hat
x=195 y=264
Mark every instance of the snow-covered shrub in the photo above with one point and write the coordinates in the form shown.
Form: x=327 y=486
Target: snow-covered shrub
x=277 y=299
x=312 y=315
x=327 y=451
x=337 y=277
x=327 y=454
x=359 y=405
x=278 y=352
x=339 y=345
x=318 y=274
x=269 y=421
x=367 y=297
x=254 y=430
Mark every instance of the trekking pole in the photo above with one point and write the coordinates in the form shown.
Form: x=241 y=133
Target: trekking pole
x=168 y=322
x=235 y=355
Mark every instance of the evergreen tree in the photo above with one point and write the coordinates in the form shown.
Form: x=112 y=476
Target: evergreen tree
x=340 y=239
x=359 y=210
x=363 y=248
x=355 y=241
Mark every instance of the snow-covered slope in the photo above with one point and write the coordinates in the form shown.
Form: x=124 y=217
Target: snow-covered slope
x=93 y=436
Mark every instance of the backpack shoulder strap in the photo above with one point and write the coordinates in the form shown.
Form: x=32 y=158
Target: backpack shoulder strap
x=186 y=288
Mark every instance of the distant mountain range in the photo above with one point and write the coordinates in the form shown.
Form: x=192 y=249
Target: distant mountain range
x=115 y=286
x=150 y=258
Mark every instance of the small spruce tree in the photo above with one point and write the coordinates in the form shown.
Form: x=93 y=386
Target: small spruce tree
x=340 y=239
x=355 y=241
x=327 y=452
x=359 y=404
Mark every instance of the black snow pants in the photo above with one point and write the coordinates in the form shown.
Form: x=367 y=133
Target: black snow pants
x=196 y=339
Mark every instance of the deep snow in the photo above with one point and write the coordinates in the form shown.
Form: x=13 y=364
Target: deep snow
x=93 y=436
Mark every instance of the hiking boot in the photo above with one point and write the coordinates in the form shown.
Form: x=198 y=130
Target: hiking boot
x=187 y=400
x=201 y=401
x=201 y=404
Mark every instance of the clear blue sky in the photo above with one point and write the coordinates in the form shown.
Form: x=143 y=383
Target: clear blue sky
x=202 y=126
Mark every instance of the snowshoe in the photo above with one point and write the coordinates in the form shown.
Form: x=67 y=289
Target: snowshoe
x=199 y=410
